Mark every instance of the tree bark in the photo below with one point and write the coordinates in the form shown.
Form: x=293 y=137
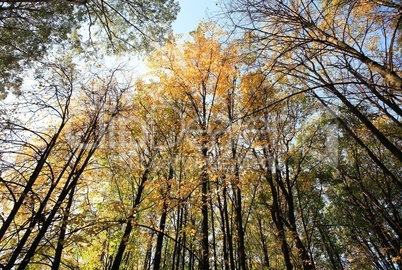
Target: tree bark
x=204 y=263
x=162 y=222
x=63 y=230
x=31 y=182
x=130 y=220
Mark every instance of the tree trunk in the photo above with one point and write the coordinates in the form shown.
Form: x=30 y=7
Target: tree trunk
x=31 y=181
x=361 y=143
x=130 y=220
x=63 y=230
x=307 y=261
x=276 y=213
x=378 y=134
x=162 y=222
x=229 y=231
x=46 y=224
x=204 y=262
x=263 y=243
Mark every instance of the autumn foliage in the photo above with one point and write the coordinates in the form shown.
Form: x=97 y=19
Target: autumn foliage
x=275 y=146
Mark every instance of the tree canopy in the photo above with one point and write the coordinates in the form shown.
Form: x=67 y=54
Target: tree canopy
x=29 y=29
x=273 y=142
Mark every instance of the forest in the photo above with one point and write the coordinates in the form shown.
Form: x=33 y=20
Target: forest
x=269 y=139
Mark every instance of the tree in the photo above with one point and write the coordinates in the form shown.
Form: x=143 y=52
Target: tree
x=372 y=204
x=30 y=29
x=345 y=55
x=200 y=76
x=280 y=162
x=315 y=43
x=279 y=148
x=43 y=185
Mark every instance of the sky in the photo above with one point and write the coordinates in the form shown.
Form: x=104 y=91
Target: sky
x=192 y=12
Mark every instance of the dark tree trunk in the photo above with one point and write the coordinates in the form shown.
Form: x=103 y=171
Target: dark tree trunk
x=329 y=248
x=162 y=223
x=63 y=230
x=276 y=213
x=31 y=182
x=46 y=224
x=361 y=143
x=130 y=220
x=263 y=243
x=204 y=262
x=240 y=230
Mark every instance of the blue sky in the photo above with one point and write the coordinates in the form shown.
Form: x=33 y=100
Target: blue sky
x=192 y=12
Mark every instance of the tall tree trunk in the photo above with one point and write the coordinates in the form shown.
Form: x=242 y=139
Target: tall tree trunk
x=361 y=143
x=46 y=224
x=238 y=208
x=204 y=262
x=162 y=222
x=181 y=219
x=236 y=184
x=159 y=240
x=63 y=230
x=240 y=230
x=353 y=109
x=397 y=109
x=327 y=39
x=148 y=254
x=263 y=243
x=332 y=254
x=130 y=220
x=378 y=134
x=70 y=184
x=228 y=230
x=307 y=261
x=223 y=213
x=38 y=218
x=31 y=181
x=191 y=254
x=213 y=236
x=276 y=212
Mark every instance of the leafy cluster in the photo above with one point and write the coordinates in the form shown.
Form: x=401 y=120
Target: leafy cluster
x=30 y=29
x=274 y=146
